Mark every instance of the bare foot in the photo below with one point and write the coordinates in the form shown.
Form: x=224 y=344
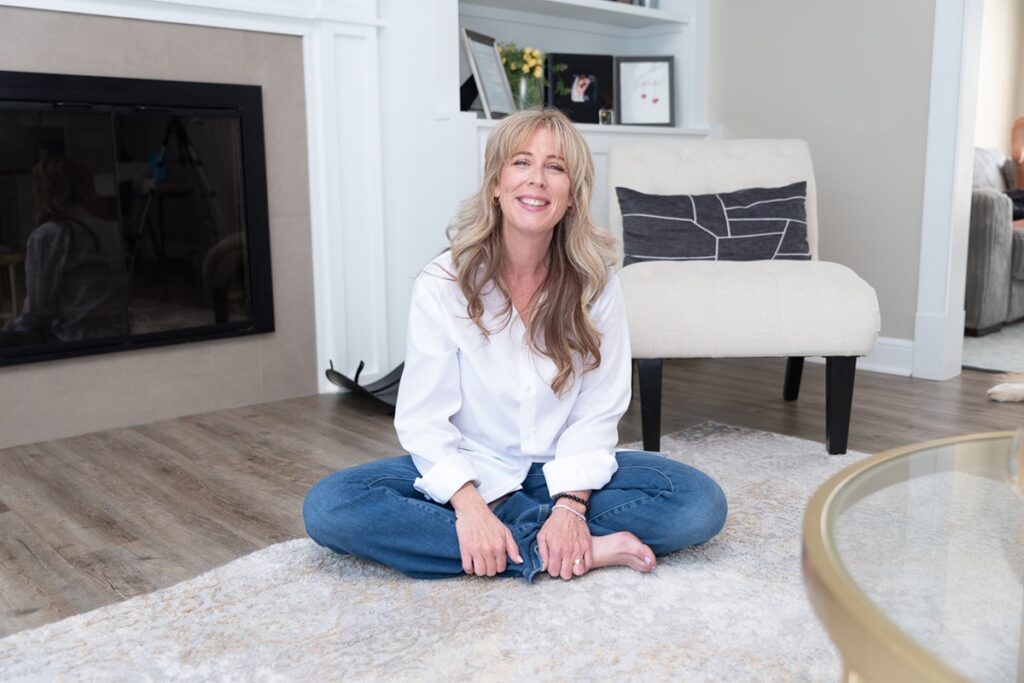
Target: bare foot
x=623 y=549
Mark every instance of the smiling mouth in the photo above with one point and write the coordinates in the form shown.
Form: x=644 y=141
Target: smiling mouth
x=533 y=202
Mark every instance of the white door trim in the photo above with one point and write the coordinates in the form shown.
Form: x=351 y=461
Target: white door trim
x=938 y=330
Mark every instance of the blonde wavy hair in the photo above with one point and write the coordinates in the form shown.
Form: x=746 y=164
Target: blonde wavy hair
x=560 y=326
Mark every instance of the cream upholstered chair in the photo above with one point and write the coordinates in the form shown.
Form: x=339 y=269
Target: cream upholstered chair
x=730 y=309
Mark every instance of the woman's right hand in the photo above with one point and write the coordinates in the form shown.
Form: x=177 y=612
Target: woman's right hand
x=484 y=540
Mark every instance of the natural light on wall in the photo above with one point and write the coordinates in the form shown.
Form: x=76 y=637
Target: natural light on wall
x=1000 y=72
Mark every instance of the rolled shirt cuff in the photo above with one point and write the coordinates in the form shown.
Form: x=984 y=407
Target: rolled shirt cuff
x=586 y=471
x=444 y=477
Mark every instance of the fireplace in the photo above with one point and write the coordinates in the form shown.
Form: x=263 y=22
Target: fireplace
x=133 y=213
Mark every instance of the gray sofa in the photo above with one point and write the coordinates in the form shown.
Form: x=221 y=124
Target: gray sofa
x=995 y=251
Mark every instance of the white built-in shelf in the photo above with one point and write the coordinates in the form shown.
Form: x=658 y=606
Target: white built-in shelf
x=589 y=129
x=597 y=11
x=595 y=129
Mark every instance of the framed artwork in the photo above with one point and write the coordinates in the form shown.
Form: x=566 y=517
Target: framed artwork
x=644 y=91
x=587 y=85
x=491 y=81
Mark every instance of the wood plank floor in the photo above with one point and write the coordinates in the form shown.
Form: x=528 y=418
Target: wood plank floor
x=95 y=519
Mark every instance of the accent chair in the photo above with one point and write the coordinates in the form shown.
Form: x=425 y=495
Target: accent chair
x=686 y=306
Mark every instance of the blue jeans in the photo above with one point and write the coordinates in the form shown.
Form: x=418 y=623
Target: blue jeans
x=374 y=512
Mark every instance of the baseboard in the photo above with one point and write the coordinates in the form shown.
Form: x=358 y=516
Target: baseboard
x=891 y=356
x=938 y=345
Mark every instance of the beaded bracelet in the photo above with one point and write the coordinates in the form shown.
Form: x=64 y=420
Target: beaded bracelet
x=576 y=499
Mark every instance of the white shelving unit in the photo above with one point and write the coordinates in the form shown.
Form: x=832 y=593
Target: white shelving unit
x=595 y=11
x=677 y=28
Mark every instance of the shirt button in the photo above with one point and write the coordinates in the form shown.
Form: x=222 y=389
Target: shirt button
x=529 y=391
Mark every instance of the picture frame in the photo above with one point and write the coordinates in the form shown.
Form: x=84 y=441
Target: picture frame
x=590 y=82
x=645 y=91
x=491 y=82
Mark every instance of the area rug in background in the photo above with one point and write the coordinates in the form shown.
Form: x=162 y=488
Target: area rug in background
x=1001 y=351
x=733 y=609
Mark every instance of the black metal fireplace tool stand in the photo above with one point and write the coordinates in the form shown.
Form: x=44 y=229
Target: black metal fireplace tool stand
x=384 y=391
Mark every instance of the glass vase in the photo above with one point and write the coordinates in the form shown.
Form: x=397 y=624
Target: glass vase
x=527 y=92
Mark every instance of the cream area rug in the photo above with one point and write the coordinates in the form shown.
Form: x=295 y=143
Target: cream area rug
x=1001 y=351
x=733 y=609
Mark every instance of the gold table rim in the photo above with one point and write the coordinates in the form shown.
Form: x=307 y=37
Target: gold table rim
x=872 y=645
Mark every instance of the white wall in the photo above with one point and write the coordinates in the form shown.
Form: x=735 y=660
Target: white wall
x=1020 y=62
x=1000 y=91
x=853 y=80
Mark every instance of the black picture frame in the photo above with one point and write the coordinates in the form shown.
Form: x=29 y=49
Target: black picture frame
x=491 y=81
x=645 y=91
x=585 y=99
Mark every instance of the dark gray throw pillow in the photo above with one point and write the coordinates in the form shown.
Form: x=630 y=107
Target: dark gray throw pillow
x=761 y=223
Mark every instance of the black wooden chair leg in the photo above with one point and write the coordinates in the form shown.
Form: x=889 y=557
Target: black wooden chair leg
x=839 y=373
x=794 y=371
x=650 y=402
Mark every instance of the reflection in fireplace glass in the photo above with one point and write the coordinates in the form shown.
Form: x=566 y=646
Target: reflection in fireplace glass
x=120 y=222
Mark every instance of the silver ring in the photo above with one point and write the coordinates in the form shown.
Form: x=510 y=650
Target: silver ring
x=577 y=562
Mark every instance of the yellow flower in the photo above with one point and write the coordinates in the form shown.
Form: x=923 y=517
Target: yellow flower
x=538 y=72
x=515 y=66
x=526 y=69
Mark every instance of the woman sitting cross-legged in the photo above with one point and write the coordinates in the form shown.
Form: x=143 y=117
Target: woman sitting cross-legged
x=517 y=372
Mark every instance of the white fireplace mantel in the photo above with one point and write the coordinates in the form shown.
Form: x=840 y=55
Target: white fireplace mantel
x=344 y=150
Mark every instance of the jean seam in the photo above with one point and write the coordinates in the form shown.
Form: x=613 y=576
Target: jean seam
x=373 y=482
x=425 y=505
x=640 y=499
x=538 y=565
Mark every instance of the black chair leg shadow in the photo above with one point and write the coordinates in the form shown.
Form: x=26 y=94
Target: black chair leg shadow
x=650 y=402
x=839 y=374
x=383 y=392
x=794 y=372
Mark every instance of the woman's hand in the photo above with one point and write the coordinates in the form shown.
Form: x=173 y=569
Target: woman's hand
x=562 y=540
x=484 y=540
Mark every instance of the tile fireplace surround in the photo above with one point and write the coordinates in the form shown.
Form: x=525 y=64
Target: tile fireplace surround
x=59 y=398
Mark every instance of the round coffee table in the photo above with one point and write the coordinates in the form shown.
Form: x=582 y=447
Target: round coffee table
x=914 y=560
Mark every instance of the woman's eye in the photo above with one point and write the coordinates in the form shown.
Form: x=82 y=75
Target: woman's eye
x=556 y=167
x=520 y=162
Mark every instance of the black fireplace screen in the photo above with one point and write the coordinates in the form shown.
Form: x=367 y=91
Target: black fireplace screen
x=132 y=213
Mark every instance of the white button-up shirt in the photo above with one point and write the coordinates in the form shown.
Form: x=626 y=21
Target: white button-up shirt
x=482 y=410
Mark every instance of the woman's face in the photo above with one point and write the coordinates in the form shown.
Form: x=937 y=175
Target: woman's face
x=533 y=188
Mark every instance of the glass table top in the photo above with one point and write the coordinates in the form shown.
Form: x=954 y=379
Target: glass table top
x=933 y=538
